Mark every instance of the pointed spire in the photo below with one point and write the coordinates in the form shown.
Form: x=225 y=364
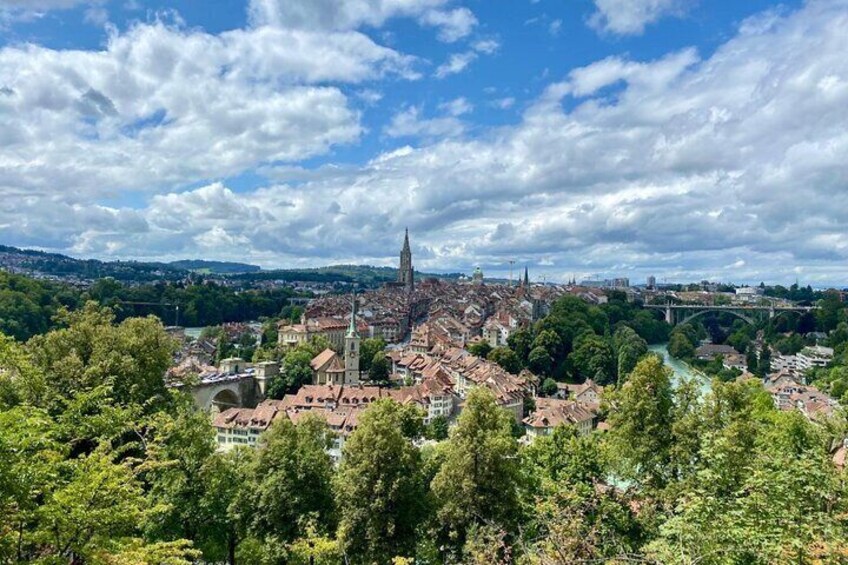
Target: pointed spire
x=351 y=330
x=526 y=277
x=406 y=240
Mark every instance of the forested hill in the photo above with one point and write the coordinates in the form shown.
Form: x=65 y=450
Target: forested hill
x=32 y=262
x=218 y=267
x=355 y=274
x=55 y=264
x=28 y=306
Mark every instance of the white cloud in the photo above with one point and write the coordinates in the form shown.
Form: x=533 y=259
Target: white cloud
x=409 y=123
x=457 y=106
x=26 y=10
x=455 y=64
x=164 y=105
x=453 y=24
x=691 y=167
x=486 y=46
x=344 y=15
x=629 y=17
x=503 y=103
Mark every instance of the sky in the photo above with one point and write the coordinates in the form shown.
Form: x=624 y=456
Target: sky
x=683 y=139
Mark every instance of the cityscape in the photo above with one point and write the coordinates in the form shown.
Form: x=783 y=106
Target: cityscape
x=423 y=282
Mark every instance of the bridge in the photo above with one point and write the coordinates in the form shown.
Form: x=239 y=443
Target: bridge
x=682 y=313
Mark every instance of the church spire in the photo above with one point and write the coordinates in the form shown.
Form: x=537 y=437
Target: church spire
x=351 y=330
x=406 y=275
x=526 y=277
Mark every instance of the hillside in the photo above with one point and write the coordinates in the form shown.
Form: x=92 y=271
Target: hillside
x=40 y=263
x=214 y=267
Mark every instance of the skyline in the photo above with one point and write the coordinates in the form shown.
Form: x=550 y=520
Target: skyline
x=681 y=140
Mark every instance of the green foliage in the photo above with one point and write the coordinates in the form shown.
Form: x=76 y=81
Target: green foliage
x=521 y=341
x=380 y=369
x=506 y=358
x=291 y=481
x=480 y=349
x=593 y=358
x=682 y=342
x=479 y=478
x=579 y=523
x=437 y=429
x=540 y=361
x=564 y=455
x=641 y=419
x=130 y=358
x=629 y=347
x=379 y=487
x=368 y=349
x=549 y=387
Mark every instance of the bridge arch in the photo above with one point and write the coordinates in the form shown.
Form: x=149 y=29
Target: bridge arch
x=225 y=398
x=747 y=319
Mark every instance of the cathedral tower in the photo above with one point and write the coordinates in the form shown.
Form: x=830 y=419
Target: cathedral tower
x=351 y=351
x=406 y=273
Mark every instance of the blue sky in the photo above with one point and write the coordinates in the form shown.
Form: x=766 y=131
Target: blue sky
x=678 y=138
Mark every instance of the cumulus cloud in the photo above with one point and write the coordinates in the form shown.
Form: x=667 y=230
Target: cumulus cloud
x=457 y=106
x=629 y=17
x=458 y=62
x=452 y=24
x=410 y=123
x=165 y=105
x=729 y=166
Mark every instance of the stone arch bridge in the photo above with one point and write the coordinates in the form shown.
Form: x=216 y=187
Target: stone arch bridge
x=682 y=313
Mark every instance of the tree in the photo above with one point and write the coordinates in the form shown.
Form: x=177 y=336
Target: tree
x=641 y=419
x=506 y=358
x=764 y=364
x=479 y=478
x=379 y=487
x=751 y=360
x=292 y=480
x=564 y=456
x=580 y=523
x=629 y=348
x=437 y=429
x=521 y=341
x=368 y=349
x=550 y=342
x=380 y=370
x=179 y=448
x=593 y=358
x=680 y=346
x=480 y=349
x=549 y=387
x=540 y=361
x=131 y=357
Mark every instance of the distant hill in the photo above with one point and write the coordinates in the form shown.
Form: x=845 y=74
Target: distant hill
x=29 y=261
x=214 y=267
x=363 y=274
x=33 y=262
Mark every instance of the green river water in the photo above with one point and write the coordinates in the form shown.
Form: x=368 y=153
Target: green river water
x=681 y=370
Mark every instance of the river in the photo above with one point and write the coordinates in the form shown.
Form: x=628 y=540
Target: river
x=681 y=370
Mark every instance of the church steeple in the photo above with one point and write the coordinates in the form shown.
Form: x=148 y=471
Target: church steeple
x=406 y=275
x=351 y=330
x=526 y=277
x=351 y=351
